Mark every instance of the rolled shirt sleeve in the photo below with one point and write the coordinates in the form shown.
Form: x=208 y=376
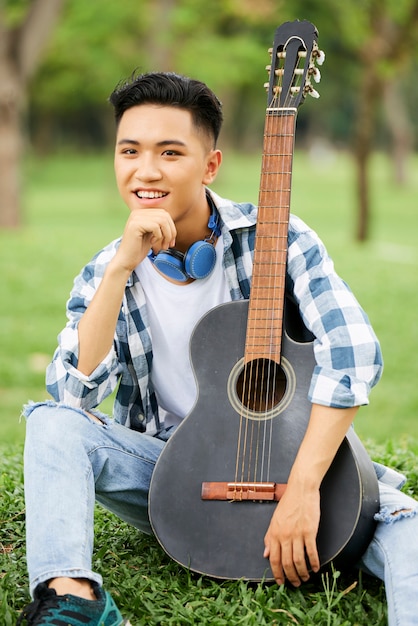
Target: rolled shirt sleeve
x=67 y=384
x=64 y=381
x=347 y=352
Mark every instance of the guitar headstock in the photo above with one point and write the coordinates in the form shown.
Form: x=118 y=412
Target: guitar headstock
x=294 y=59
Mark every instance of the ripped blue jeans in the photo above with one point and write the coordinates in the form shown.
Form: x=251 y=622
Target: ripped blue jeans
x=72 y=460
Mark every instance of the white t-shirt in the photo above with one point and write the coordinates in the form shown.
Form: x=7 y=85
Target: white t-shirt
x=174 y=311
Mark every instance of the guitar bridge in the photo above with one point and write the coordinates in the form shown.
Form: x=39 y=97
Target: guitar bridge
x=241 y=491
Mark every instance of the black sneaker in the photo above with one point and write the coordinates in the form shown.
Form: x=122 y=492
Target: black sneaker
x=49 y=609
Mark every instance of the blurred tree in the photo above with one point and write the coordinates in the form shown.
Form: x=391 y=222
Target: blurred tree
x=24 y=27
x=223 y=42
x=94 y=45
x=369 y=45
x=385 y=55
x=378 y=37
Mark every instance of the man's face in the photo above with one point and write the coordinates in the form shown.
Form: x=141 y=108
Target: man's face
x=162 y=160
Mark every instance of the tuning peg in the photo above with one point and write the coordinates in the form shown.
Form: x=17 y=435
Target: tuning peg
x=308 y=89
x=320 y=57
x=315 y=73
x=312 y=92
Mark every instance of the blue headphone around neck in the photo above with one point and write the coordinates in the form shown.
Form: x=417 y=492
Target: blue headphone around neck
x=199 y=259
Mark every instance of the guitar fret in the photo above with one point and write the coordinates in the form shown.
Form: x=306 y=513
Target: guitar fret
x=255 y=341
x=278 y=222
x=268 y=269
x=264 y=303
x=269 y=237
x=267 y=330
x=264 y=298
x=278 y=212
x=267 y=135
x=275 y=174
x=271 y=206
x=265 y=315
x=269 y=280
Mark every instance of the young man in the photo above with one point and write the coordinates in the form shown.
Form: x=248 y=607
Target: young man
x=131 y=314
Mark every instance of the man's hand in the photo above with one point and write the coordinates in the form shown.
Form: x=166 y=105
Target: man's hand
x=290 y=541
x=145 y=230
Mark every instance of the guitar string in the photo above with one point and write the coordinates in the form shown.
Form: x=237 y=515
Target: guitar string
x=261 y=368
x=273 y=188
x=247 y=402
x=278 y=164
x=258 y=365
x=279 y=139
x=269 y=272
x=265 y=369
x=285 y=146
x=250 y=374
x=252 y=369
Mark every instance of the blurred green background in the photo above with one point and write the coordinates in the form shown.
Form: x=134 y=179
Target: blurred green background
x=355 y=156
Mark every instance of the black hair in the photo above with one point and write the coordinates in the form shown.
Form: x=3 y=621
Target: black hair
x=170 y=89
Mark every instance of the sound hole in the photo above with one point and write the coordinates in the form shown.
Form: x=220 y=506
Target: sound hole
x=261 y=385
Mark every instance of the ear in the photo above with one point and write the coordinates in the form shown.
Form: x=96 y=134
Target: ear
x=213 y=163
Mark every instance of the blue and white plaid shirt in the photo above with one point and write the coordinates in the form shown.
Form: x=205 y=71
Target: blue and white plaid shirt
x=346 y=349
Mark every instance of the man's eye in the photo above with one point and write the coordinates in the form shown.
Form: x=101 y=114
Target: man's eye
x=171 y=153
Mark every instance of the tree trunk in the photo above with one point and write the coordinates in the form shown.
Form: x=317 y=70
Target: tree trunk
x=160 y=42
x=400 y=128
x=10 y=146
x=363 y=148
x=363 y=218
x=20 y=52
x=389 y=44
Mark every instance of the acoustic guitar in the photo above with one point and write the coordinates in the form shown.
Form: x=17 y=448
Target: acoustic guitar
x=222 y=472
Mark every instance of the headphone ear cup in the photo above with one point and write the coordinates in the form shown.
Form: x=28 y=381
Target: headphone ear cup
x=171 y=263
x=200 y=259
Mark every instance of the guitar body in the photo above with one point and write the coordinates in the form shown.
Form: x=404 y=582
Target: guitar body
x=223 y=538
x=219 y=477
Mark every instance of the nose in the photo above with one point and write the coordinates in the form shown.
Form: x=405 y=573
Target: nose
x=147 y=168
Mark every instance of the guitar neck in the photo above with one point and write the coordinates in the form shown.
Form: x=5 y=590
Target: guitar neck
x=266 y=307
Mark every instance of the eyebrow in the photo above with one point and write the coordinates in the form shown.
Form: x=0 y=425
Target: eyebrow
x=160 y=144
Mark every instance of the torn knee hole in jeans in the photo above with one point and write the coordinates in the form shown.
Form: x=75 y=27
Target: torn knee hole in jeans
x=388 y=516
x=93 y=414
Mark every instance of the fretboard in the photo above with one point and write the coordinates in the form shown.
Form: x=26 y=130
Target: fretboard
x=266 y=308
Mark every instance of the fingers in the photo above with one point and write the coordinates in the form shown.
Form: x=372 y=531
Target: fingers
x=162 y=231
x=292 y=559
x=145 y=230
x=273 y=552
x=156 y=226
x=312 y=554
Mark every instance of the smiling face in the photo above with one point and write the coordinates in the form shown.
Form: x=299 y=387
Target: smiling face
x=162 y=160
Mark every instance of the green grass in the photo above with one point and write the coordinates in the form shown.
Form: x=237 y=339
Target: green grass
x=151 y=589
x=71 y=210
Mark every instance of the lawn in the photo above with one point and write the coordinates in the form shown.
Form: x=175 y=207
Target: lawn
x=152 y=590
x=71 y=210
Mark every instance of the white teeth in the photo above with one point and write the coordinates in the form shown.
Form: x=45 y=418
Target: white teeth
x=150 y=194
